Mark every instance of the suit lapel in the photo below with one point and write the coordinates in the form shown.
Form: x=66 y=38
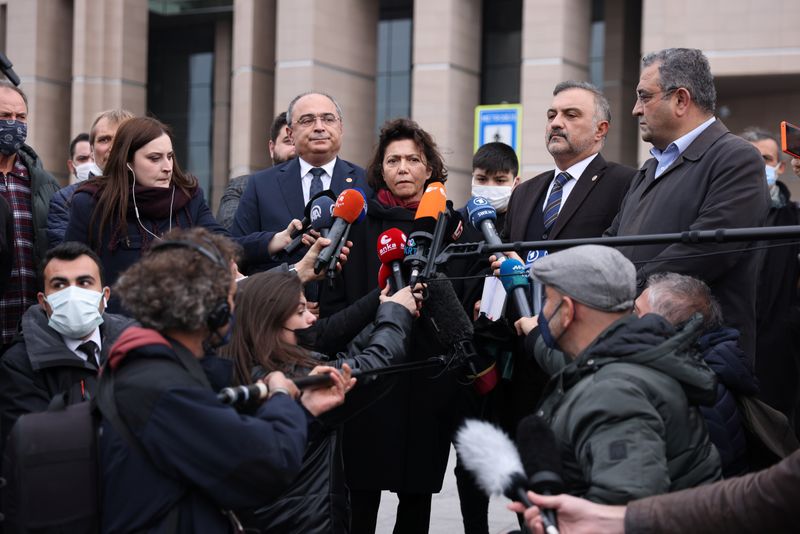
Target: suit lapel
x=537 y=186
x=290 y=183
x=591 y=176
x=341 y=172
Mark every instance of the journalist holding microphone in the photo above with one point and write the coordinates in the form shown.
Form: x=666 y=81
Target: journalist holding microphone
x=173 y=457
x=276 y=332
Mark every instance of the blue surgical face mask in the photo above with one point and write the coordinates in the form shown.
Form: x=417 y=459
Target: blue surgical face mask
x=75 y=311
x=544 y=328
x=772 y=175
x=12 y=136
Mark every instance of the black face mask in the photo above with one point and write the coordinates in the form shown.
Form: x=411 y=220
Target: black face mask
x=306 y=337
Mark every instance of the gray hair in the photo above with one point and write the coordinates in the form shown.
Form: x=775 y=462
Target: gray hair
x=687 y=68
x=301 y=95
x=754 y=135
x=5 y=84
x=114 y=116
x=602 y=109
x=676 y=297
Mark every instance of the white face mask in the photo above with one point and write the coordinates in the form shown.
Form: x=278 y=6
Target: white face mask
x=82 y=171
x=772 y=175
x=95 y=169
x=75 y=311
x=497 y=195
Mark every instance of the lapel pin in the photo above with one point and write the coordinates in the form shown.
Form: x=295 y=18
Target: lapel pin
x=348 y=179
x=594 y=178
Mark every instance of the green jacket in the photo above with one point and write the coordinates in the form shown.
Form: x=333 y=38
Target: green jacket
x=43 y=186
x=624 y=412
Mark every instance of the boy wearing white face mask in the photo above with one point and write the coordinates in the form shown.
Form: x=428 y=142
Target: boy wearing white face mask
x=64 y=338
x=494 y=175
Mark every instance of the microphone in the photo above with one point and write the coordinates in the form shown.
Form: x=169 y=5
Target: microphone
x=482 y=216
x=445 y=316
x=7 y=68
x=433 y=202
x=363 y=214
x=346 y=210
x=490 y=455
x=540 y=456
x=391 y=251
x=252 y=394
x=321 y=215
x=384 y=274
x=515 y=281
x=297 y=235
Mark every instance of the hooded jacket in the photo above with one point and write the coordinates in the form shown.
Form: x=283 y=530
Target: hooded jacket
x=623 y=412
x=193 y=456
x=38 y=366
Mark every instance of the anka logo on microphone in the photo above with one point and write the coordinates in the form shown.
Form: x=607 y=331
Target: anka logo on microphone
x=387 y=244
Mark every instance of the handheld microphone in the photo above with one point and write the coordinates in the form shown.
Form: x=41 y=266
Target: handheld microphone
x=384 y=274
x=490 y=455
x=515 y=281
x=391 y=251
x=482 y=216
x=540 y=456
x=433 y=202
x=452 y=329
x=7 y=68
x=321 y=216
x=363 y=214
x=297 y=235
x=346 y=210
x=257 y=392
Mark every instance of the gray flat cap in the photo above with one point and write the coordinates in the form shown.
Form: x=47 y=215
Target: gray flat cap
x=597 y=276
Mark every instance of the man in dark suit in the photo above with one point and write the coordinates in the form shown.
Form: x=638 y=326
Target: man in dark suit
x=701 y=177
x=276 y=197
x=582 y=195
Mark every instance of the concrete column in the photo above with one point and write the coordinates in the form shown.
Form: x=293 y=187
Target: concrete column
x=445 y=85
x=109 y=59
x=220 y=142
x=555 y=47
x=252 y=85
x=623 y=20
x=331 y=47
x=38 y=43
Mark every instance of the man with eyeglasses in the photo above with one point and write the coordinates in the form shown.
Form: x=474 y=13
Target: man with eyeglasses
x=701 y=177
x=275 y=198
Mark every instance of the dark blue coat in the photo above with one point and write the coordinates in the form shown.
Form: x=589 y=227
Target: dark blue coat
x=734 y=377
x=58 y=214
x=274 y=196
x=130 y=246
x=196 y=456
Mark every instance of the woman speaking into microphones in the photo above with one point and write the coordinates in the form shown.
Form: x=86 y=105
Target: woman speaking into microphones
x=400 y=443
x=275 y=332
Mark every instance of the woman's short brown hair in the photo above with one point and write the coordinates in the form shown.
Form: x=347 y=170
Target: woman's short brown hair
x=399 y=130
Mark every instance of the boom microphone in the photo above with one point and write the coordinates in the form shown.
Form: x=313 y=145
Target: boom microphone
x=433 y=202
x=346 y=210
x=7 y=68
x=515 y=281
x=482 y=216
x=490 y=455
x=257 y=392
x=391 y=251
x=540 y=456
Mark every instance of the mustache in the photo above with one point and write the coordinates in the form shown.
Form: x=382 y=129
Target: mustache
x=558 y=132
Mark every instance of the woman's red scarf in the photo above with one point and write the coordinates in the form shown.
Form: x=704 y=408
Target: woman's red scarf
x=387 y=198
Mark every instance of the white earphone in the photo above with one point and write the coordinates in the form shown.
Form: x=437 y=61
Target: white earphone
x=136 y=208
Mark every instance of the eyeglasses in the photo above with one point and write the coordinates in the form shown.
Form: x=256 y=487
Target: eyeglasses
x=643 y=98
x=328 y=119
